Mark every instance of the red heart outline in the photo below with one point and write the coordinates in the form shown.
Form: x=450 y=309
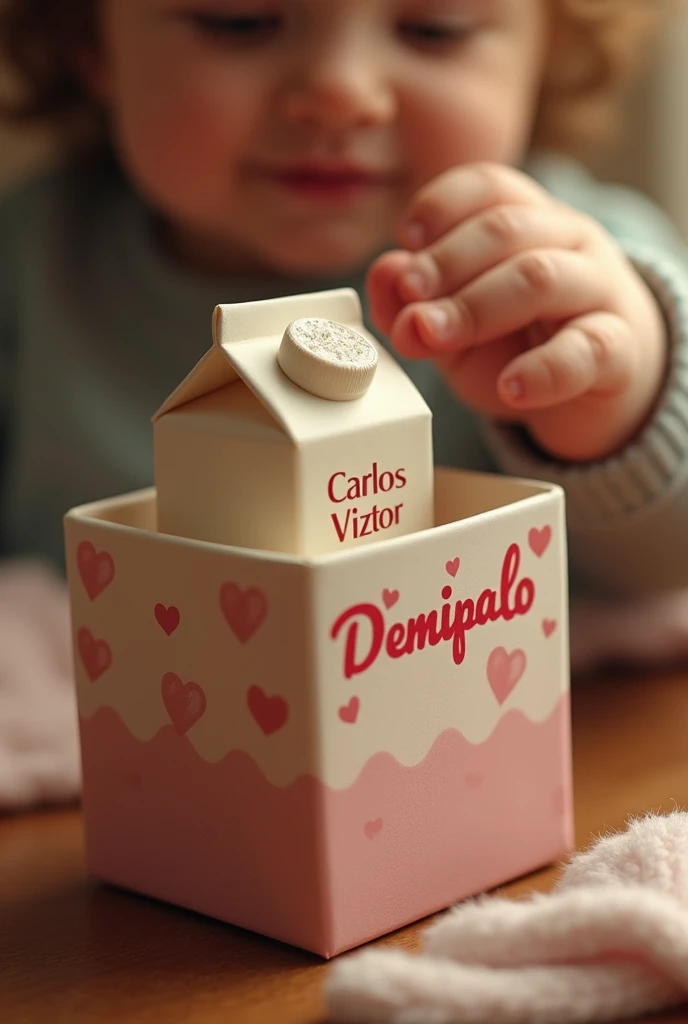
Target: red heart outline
x=269 y=713
x=167 y=617
x=538 y=540
x=96 y=568
x=504 y=670
x=95 y=654
x=185 y=703
x=244 y=611
x=349 y=712
x=373 y=828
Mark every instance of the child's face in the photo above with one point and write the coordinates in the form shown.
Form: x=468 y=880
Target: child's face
x=289 y=135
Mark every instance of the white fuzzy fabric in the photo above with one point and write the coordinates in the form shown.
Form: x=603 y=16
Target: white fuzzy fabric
x=609 y=943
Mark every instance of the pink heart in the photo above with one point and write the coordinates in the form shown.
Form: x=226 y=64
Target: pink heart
x=96 y=568
x=349 y=712
x=269 y=712
x=184 y=702
x=95 y=654
x=371 y=828
x=167 y=618
x=548 y=626
x=474 y=780
x=504 y=671
x=538 y=540
x=244 y=610
x=452 y=566
x=390 y=597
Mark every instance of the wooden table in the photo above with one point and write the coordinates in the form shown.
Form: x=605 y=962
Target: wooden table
x=74 y=951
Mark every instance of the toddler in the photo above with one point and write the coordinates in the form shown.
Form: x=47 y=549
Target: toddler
x=416 y=150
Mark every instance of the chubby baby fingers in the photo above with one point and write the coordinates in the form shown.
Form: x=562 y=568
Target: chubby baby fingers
x=547 y=284
x=486 y=241
x=592 y=354
x=463 y=192
x=381 y=285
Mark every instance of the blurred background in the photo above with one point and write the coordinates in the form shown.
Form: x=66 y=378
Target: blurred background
x=653 y=156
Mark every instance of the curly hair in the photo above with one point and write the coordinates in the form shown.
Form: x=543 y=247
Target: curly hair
x=39 y=40
x=598 y=46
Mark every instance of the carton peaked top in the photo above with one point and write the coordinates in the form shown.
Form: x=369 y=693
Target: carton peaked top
x=307 y=380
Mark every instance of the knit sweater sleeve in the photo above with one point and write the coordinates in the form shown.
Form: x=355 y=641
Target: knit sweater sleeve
x=627 y=515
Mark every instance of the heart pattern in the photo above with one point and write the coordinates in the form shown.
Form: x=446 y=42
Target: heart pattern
x=185 y=703
x=96 y=568
x=270 y=713
x=349 y=712
x=504 y=671
x=244 y=610
x=95 y=655
x=538 y=540
x=373 y=828
x=167 y=618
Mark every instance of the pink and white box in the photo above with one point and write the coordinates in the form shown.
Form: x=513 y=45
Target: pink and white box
x=323 y=748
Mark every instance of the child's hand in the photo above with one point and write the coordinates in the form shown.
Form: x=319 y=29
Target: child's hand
x=530 y=309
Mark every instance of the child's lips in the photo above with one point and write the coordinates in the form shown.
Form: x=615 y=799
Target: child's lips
x=333 y=183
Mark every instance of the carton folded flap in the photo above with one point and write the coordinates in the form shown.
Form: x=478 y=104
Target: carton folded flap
x=250 y=335
x=244 y=321
x=212 y=372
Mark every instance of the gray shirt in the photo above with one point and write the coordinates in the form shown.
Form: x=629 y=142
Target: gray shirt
x=98 y=326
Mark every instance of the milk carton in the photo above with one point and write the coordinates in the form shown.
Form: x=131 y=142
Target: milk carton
x=296 y=433
x=319 y=747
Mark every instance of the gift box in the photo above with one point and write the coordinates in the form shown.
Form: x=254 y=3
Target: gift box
x=323 y=748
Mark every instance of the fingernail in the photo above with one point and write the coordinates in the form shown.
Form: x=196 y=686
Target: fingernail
x=417 y=282
x=436 y=321
x=514 y=387
x=413 y=234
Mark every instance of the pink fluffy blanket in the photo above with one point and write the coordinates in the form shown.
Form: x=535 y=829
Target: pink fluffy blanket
x=609 y=943
x=39 y=750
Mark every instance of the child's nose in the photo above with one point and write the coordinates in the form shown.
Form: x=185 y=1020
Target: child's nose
x=341 y=90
